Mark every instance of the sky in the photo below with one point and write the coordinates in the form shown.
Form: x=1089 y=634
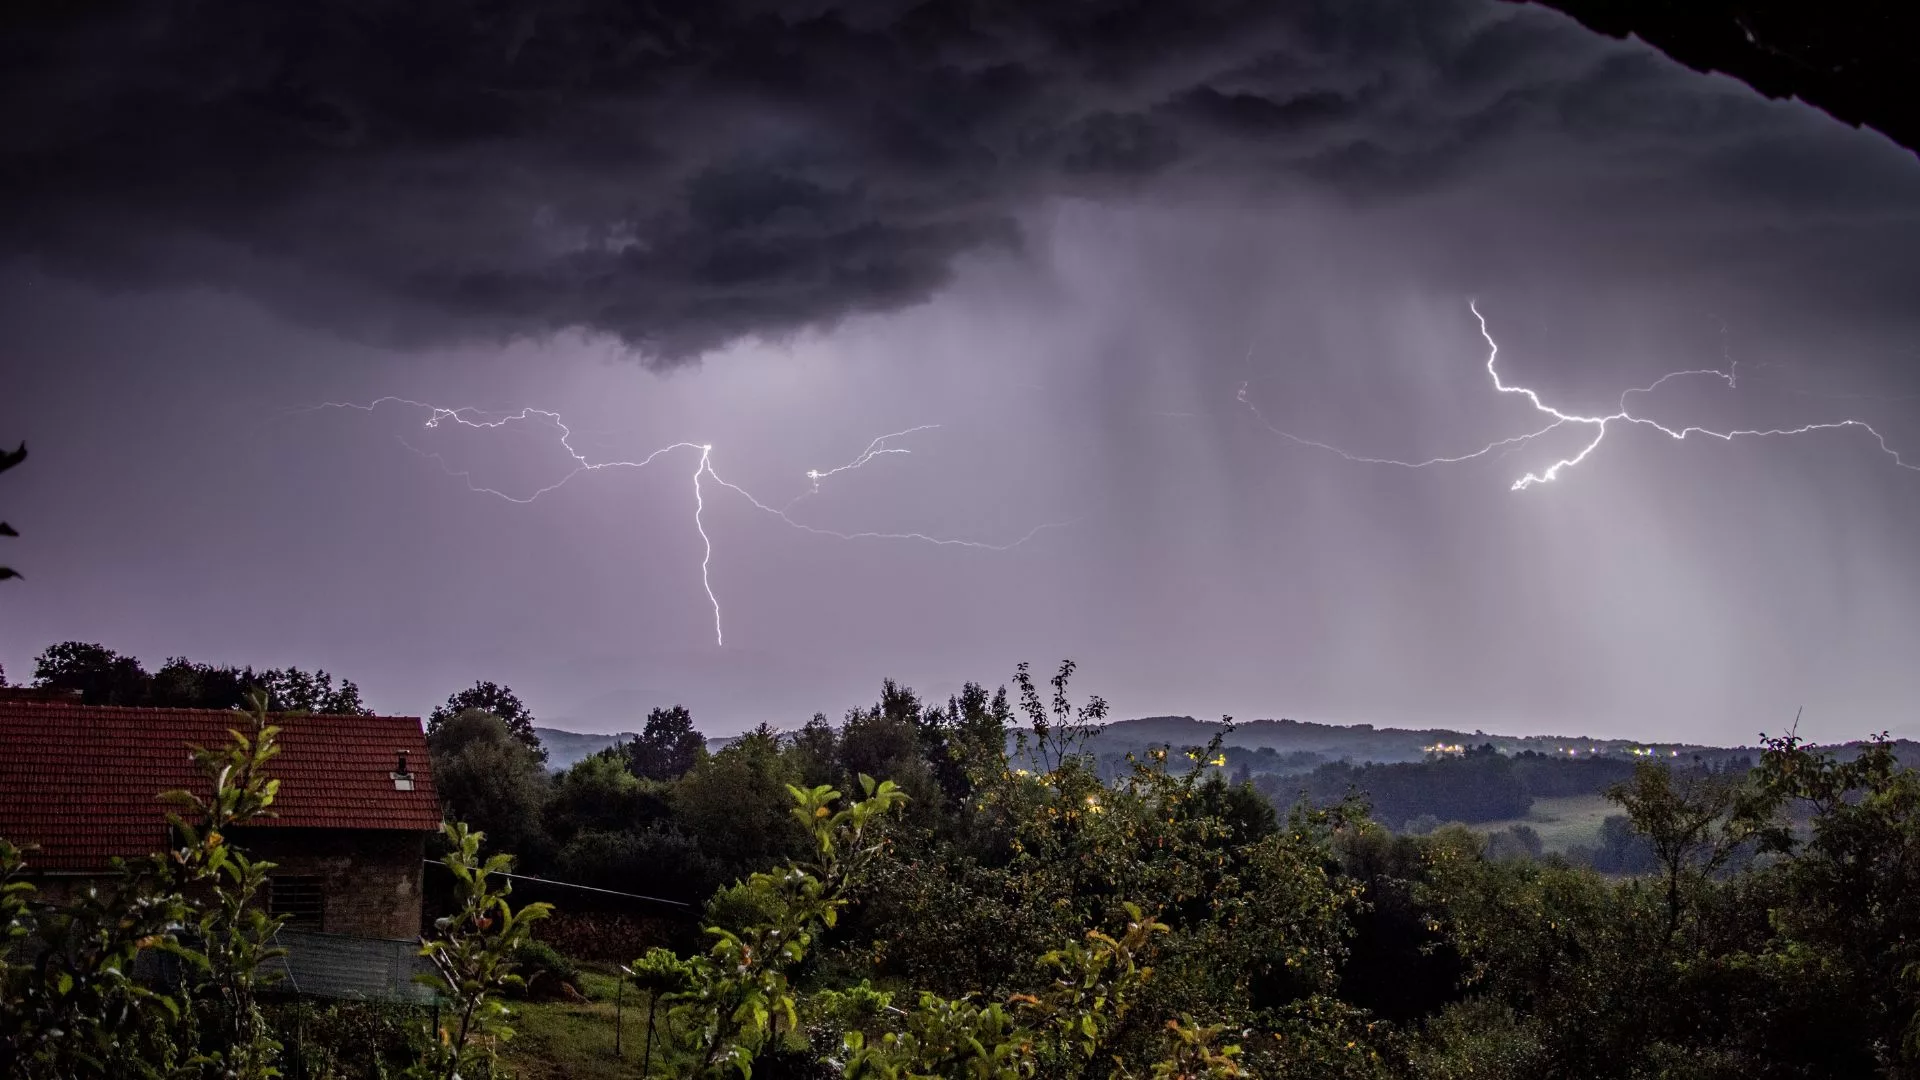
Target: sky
x=1167 y=292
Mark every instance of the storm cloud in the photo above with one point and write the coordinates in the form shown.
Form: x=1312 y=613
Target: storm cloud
x=683 y=175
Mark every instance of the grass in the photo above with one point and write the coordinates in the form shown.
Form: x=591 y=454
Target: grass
x=560 y=1040
x=1562 y=823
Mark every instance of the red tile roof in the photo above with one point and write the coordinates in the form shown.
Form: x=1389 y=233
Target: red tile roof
x=82 y=781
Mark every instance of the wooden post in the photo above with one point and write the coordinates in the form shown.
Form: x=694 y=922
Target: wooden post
x=646 y=1060
x=619 y=1003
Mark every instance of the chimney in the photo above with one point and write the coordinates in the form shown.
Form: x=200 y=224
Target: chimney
x=402 y=779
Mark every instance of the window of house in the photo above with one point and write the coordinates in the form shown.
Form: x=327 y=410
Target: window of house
x=300 y=899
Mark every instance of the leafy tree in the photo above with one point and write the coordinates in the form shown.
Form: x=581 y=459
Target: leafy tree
x=1851 y=884
x=8 y=459
x=739 y=993
x=667 y=746
x=1059 y=730
x=486 y=776
x=182 y=684
x=1693 y=820
x=493 y=698
x=732 y=804
x=100 y=675
x=883 y=740
x=472 y=950
x=104 y=677
x=814 y=751
x=599 y=793
x=294 y=690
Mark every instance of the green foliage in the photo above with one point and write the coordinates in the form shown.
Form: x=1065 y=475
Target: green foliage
x=1479 y=785
x=489 y=778
x=542 y=969
x=74 y=1006
x=731 y=804
x=739 y=994
x=667 y=746
x=497 y=700
x=473 y=951
x=342 y=1040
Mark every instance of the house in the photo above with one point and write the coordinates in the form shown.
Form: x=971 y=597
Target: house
x=355 y=806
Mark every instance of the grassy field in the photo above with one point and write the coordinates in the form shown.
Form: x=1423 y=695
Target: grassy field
x=1561 y=823
x=558 y=1040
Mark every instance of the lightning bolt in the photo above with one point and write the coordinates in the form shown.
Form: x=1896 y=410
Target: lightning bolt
x=469 y=417
x=1599 y=423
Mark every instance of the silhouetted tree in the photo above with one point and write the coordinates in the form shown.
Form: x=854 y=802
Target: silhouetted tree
x=100 y=675
x=493 y=698
x=667 y=746
x=292 y=689
x=183 y=684
x=815 y=752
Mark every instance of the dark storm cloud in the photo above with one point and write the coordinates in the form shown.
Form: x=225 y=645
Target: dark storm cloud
x=683 y=174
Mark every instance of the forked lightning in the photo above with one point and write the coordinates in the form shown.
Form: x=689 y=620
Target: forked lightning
x=703 y=470
x=1599 y=424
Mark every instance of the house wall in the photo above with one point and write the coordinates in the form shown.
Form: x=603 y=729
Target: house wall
x=370 y=879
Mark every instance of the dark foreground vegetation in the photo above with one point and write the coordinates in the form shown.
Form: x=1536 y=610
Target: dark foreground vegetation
x=902 y=896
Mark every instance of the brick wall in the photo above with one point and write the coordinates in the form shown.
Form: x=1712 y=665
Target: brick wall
x=370 y=880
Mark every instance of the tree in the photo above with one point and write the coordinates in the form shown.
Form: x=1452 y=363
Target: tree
x=734 y=804
x=472 y=951
x=667 y=747
x=1692 y=820
x=493 y=698
x=488 y=777
x=815 y=753
x=8 y=459
x=100 y=675
x=294 y=690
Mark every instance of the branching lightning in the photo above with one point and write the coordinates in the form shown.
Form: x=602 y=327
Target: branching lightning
x=703 y=470
x=1599 y=423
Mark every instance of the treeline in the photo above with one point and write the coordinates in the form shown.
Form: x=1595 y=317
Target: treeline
x=1478 y=785
x=660 y=816
x=101 y=676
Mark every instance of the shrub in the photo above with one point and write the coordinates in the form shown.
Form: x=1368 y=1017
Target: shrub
x=543 y=970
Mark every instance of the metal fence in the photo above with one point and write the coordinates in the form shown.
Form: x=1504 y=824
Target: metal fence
x=343 y=968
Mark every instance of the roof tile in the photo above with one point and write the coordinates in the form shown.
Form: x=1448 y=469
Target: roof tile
x=82 y=782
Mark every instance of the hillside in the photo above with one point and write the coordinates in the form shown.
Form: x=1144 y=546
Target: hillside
x=1362 y=743
x=566 y=748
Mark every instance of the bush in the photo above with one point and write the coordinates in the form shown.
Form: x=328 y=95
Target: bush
x=739 y=906
x=348 y=1038
x=544 y=970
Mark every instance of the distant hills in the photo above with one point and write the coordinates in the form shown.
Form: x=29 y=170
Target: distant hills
x=1362 y=743
x=1356 y=743
x=565 y=748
